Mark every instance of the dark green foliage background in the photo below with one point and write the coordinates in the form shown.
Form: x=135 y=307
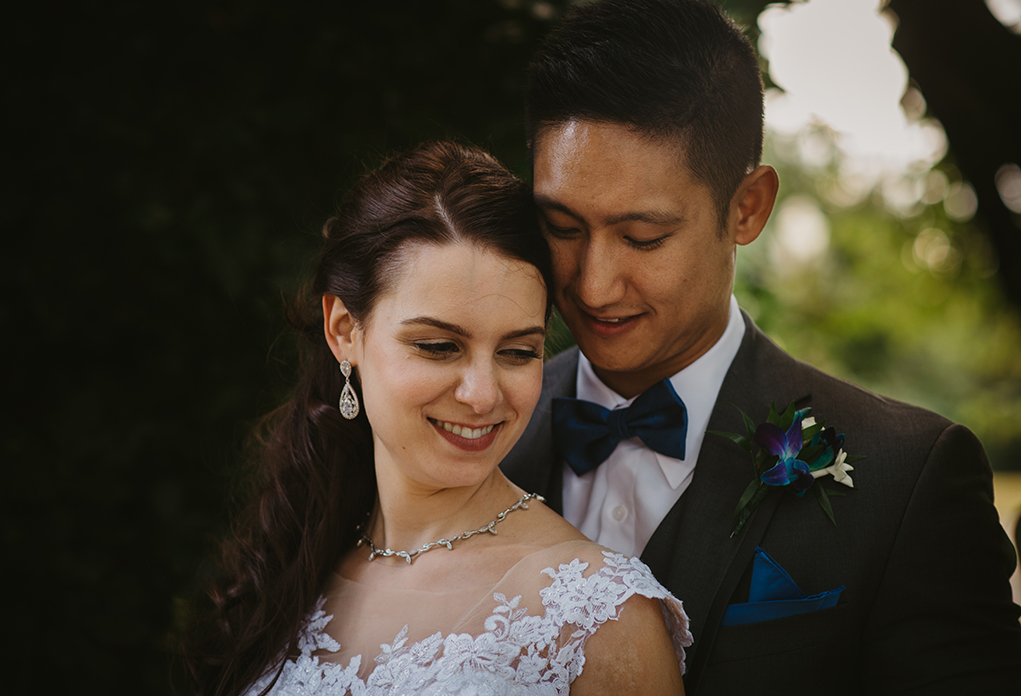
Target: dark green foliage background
x=169 y=166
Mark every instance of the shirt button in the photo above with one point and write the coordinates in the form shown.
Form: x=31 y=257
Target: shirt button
x=619 y=513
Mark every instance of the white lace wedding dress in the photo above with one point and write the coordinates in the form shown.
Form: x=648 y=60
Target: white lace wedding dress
x=526 y=635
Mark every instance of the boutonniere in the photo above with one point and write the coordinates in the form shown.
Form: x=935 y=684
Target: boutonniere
x=791 y=450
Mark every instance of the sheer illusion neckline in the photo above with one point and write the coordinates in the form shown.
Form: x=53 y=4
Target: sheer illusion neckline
x=525 y=635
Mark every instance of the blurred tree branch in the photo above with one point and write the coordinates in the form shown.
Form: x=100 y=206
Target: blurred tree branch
x=966 y=65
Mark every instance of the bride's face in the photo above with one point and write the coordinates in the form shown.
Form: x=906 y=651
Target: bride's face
x=450 y=362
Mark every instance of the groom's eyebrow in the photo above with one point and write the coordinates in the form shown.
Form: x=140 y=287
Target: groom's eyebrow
x=545 y=203
x=652 y=217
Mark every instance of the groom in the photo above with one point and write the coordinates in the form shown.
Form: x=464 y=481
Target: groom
x=645 y=126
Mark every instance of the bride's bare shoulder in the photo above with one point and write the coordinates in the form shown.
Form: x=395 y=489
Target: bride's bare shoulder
x=542 y=527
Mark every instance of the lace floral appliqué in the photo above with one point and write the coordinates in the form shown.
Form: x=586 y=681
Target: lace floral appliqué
x=518 y=654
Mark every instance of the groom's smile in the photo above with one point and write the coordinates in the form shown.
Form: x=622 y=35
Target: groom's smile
x=608 y=326
x=643 y=271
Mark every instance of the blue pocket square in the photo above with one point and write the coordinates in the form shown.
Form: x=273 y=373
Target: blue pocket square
x=773 y=595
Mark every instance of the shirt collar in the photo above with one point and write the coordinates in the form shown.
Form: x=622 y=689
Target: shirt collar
x=698 y=385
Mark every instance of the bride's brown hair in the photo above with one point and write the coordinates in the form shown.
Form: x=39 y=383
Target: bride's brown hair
x=316 y=480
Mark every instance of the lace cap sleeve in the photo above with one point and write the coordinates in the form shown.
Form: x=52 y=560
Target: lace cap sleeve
x=586 y=602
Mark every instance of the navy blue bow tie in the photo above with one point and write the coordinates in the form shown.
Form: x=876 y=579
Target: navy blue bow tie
x=586 y=433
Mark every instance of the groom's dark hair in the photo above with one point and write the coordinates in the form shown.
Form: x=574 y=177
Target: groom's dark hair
x=680 y=70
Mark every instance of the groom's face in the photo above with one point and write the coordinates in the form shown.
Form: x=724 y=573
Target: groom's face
x=643 y=271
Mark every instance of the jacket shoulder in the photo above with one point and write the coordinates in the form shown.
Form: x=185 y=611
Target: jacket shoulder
x=839 y=402
x=559 y=372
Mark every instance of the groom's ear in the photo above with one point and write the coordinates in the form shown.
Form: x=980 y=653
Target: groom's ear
x=753 y=203
x=341 y=329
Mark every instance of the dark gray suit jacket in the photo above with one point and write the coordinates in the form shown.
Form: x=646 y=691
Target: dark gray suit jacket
x=927 y=606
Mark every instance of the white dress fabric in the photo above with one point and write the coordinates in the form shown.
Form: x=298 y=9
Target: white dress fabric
x=529 y=642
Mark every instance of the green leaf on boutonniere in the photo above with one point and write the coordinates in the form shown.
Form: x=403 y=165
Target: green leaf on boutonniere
x=822 y=495
x=758 y=491
x=741 y=441
x=749 y=424
x=810 y=452
x=787 y=417
x=749 y=492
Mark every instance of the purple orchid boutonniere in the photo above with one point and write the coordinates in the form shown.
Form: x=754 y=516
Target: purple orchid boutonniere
x=791 y=450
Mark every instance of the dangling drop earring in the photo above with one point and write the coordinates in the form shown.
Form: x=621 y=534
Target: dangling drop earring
x=348 y=398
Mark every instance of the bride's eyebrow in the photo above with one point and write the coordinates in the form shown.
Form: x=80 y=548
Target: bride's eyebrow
x=530 y=331
x=460 y=331
x=432 y=321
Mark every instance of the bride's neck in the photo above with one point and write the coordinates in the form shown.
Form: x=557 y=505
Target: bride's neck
x=408 y=516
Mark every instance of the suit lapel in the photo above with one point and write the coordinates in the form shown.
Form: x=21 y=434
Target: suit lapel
x=692 y=551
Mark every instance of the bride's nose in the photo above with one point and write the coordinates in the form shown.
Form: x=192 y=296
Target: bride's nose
x=479 y=387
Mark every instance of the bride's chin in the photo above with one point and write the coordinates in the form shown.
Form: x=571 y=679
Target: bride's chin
x=445 y=475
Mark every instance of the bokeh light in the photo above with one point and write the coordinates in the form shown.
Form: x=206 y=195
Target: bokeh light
x=843 y=96
x=1008 y=12
x=1008 y=184
x=802 y=234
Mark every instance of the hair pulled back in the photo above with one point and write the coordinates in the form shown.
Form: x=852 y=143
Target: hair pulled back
x=317 y=479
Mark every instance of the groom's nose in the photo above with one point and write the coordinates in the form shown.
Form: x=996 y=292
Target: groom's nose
x=599 y=280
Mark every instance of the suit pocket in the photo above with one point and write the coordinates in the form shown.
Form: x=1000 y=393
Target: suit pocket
x=803 y=655
x=818 y=630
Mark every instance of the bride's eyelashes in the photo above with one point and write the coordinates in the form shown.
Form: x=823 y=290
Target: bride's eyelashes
x=440 y=349
x=521 y=355
x=448 y=349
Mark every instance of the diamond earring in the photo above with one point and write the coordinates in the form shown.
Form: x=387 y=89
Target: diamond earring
x=348 y=398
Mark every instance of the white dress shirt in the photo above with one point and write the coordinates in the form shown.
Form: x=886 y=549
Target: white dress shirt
x=620 y=504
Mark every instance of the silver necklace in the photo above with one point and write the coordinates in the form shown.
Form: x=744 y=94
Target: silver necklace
x=490 y=528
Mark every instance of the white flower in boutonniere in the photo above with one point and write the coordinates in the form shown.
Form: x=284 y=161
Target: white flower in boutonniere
x=838 y=470
x=790 y=450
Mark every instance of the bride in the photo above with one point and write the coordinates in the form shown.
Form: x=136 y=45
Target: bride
x=384 y=551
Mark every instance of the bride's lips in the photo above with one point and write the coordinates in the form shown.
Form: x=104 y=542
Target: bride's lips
x=608 y=327
x=452 y=432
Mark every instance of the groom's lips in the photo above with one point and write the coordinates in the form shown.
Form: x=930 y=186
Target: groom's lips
x=608 y=327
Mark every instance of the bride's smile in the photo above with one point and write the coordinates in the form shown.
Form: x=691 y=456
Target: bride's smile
x=465 y=436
